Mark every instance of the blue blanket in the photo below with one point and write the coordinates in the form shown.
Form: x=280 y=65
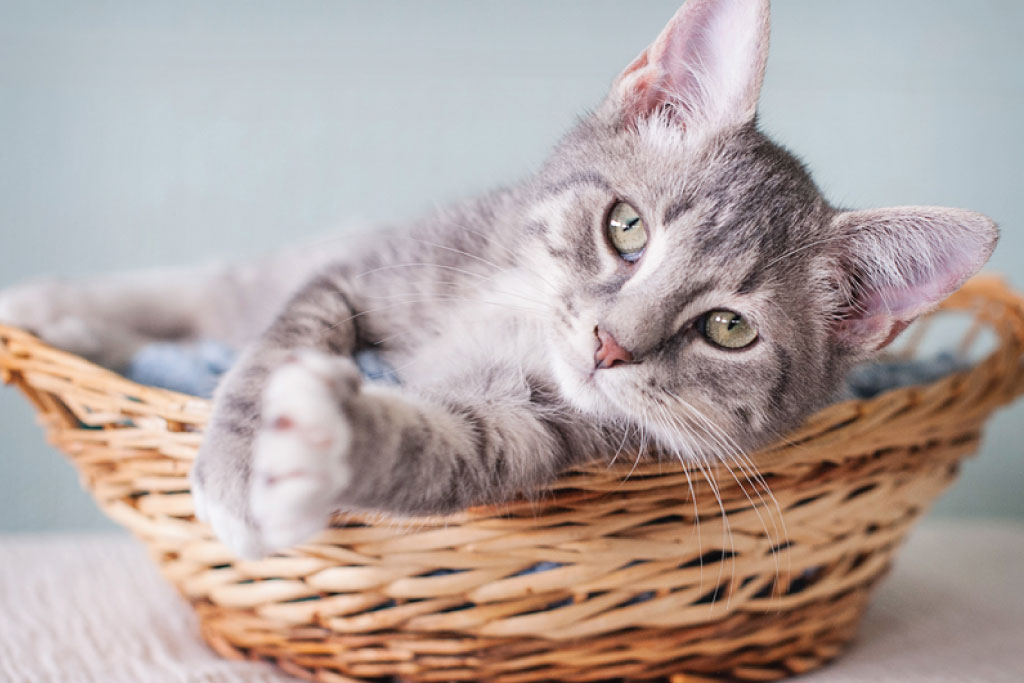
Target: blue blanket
x=195 y=368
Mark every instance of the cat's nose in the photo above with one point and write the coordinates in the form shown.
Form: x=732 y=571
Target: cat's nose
x=609 y=353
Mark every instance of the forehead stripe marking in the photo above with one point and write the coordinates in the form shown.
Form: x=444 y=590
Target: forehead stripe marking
x=676 y=210
x=577 y=179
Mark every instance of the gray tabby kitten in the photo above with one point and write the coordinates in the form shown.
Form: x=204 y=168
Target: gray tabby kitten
x=668 y=274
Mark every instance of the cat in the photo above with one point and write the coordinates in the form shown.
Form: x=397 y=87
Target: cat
x=668 y=276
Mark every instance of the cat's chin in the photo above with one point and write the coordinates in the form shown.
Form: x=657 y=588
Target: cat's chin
x=579 y=387
x=592 y=392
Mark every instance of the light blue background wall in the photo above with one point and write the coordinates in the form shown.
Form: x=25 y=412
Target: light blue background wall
x=144 y=133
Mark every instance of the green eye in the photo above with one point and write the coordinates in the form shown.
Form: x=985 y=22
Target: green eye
x=728 y=330
x=626 y=231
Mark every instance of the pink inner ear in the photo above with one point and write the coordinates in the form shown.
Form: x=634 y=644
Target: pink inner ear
x=642 y=95
x=914 y=297
x=877 y=331
x=908 y=260
x=882 y=312
x=707 y=64
x=881 y=315
x=682 y=56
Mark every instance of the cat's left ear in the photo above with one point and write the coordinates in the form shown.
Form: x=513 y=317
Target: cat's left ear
x=895 y=264
x=705 y=69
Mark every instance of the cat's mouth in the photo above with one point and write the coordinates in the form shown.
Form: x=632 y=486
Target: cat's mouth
x=612 y=383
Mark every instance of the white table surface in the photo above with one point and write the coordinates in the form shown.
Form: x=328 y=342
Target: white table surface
x=93 y=608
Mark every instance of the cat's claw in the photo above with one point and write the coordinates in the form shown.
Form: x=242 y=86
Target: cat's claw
x=300 y=460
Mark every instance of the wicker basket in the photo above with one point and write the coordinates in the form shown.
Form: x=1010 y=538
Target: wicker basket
x=633 y=589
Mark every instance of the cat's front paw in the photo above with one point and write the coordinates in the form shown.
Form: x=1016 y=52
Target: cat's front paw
x=274 y=460
x=301 y=452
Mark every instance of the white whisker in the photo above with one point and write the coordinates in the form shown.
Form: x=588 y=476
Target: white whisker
x=731 y=448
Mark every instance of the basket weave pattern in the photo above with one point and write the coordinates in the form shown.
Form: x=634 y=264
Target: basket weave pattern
x=763 y=587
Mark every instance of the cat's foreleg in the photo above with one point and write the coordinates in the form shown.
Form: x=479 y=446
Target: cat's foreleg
x=106 y=318
x=324 y=442
x=320 y=320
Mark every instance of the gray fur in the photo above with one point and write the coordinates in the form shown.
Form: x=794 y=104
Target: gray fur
x=488 y=311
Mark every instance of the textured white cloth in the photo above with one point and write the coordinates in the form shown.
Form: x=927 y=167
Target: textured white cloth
x=93 y=608
x=77 y=608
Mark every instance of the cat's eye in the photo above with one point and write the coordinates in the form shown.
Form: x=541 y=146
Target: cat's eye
x=626 y=231
x=728 y=329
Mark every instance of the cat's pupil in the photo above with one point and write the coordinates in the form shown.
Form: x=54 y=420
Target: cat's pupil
x=625 y=230
x=728 y=330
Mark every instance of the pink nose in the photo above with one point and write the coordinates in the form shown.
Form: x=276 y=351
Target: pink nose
x=609 y=353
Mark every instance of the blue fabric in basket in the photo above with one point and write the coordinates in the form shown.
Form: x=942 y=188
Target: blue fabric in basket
x=189 y=368
x=871 y=379
x=195 y=368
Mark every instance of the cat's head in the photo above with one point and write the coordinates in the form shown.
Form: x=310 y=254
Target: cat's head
x=705 y=289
